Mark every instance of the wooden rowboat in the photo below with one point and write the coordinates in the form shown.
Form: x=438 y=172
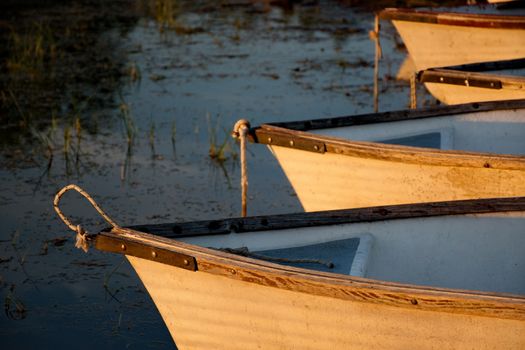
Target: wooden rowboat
x=476 y=82
x=440 y=39
x=443 y=275
x=464 y=152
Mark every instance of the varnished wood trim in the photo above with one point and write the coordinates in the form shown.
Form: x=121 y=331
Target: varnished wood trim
x=471 y=79
x=333 y=285
x=454 y=19
x=393 y=116
x=333 y=217
x=387 y=152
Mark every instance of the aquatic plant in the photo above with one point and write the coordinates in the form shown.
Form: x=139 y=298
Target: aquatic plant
x=174 y=138
x=222 y=151
x=29 y=51
x=130 y=128
x=151 y=138
x=134 y=72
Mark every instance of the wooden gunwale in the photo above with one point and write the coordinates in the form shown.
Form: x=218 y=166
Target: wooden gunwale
x=454 y=18
x=394 y=116
x=331 y=217
x=474 y=79
x=281 y=134
x=345 y=287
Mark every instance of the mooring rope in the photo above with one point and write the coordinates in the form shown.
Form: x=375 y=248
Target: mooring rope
x=81 y=238
x=413 y=91
x=374 y=36
x=244 y=251
x=240 y=130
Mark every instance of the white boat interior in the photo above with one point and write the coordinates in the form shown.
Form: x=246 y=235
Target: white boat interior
x=488 y=131
x=482 y=252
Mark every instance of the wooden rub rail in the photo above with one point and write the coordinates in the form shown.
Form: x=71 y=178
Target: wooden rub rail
x=113 y=243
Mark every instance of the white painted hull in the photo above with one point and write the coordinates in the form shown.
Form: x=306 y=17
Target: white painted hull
x=251 y=305
x=385 y=174
x=438 y=45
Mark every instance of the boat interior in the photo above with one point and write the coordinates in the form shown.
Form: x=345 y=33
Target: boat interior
x=487 y=131
x=482 y=252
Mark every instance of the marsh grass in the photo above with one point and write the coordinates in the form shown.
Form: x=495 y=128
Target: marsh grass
x=130 y=131
x=134 y=72
x=151 y=138
x=14 y=308
x=28 y=52
x=25 y=118
x=174 y=137
x=219 y=151
x=166 y=13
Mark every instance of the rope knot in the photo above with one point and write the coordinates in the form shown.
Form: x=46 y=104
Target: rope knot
x=240 y=128
x=82 y=242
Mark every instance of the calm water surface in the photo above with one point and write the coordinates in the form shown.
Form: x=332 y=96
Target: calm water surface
x=173 y=83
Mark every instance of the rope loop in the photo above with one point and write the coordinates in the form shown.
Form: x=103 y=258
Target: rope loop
x=240 y=131
x=81 y=239
x=241 y=127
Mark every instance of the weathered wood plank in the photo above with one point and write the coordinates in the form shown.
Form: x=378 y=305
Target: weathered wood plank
x=332 y=217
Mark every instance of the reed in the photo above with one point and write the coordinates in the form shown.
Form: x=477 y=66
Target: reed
x=14 y=307
x=135 y=73
x=29 y=51
x=218 y=151
x=130 y=128
x=151 y=138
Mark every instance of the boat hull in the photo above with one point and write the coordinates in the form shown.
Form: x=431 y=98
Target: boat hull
x=439 y=45
x=334 y=181
x=206 y=311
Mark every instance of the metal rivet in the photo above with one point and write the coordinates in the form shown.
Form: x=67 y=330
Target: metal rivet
x=413 y=302
x=269 y=140
x=441 y=79
x=292 y=143
x=316 y=147
x=123 y=246
x=186 y=262
x=154 y=254
x=491 y=84
x=466 y=82
x=233 y=272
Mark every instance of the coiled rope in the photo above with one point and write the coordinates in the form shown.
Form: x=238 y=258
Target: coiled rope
x=81 y=238
x=240 y=130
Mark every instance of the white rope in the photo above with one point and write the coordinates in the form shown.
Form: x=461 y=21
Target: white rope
x=240 y=130
x=82 y=241
x=374 y=36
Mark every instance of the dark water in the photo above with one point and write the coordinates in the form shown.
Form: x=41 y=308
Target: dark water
x=125 y=98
